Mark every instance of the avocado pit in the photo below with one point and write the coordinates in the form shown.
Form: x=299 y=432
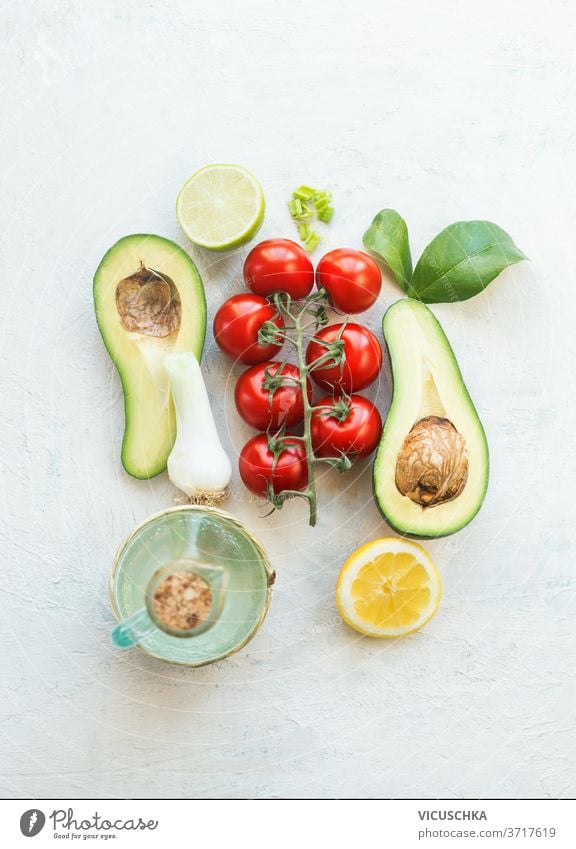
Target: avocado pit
x=432 y=466
x=148 y=302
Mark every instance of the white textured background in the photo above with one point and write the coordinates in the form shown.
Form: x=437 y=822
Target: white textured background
x=444 y=110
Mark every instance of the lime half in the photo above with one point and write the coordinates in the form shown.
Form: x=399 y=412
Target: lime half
x=221 y=207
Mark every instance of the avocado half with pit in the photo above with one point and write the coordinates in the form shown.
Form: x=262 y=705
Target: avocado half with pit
x=149 y=300
x=431 y=470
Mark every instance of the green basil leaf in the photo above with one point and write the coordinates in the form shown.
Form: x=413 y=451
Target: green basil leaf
x=387 y=237
x=461 y=261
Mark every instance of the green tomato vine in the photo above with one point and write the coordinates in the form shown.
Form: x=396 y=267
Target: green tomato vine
x=300 y=320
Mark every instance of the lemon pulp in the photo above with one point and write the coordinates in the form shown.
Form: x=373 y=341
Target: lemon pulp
x=388 y=588
x=389 y=593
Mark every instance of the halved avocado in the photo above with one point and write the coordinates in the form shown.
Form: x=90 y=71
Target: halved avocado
x=149 y=299
x=431 y=470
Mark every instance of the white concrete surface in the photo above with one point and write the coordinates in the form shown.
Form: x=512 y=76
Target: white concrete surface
x=445 y=111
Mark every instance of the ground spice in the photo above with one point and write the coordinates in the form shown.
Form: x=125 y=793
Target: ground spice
x=182 y=601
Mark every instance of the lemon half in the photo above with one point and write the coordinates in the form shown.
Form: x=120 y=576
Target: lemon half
x=221 y=207
x=388 y=588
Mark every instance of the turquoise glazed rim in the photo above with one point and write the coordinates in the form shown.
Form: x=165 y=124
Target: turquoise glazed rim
x=250 y=589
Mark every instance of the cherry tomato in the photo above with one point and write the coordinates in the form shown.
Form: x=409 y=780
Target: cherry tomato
x=351 y=278
x=362 y=358
x=352 y=426
x=257 y=461
x=279 y=265
x=269 y=395
x=236 y=326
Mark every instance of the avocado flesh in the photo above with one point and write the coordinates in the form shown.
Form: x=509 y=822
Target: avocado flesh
x=149 y=299
x=427 y=382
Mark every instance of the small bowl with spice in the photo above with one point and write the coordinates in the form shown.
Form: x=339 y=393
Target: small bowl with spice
x=190 y=585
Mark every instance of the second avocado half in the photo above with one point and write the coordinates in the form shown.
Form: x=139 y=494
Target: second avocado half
x=149 y=300
x=431 y=470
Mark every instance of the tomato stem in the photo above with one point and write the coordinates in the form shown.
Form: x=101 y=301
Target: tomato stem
x=311 y=316
x=306 y=438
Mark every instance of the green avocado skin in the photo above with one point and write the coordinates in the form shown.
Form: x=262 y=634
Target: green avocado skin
x=142 y=470
x=408 y=532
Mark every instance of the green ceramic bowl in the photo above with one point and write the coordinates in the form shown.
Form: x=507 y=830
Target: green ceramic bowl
x=210 y=536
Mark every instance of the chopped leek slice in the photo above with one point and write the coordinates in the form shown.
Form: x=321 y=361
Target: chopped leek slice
x=304 y=193
x=326 y=215
x=312 y=241
x=305 y=204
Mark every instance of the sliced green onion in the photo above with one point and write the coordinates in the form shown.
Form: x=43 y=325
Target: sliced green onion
x=299 y=210
x=305 y=214
x=306 y=204
x=326 y=215
x=304 y=193
x=312 y=241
